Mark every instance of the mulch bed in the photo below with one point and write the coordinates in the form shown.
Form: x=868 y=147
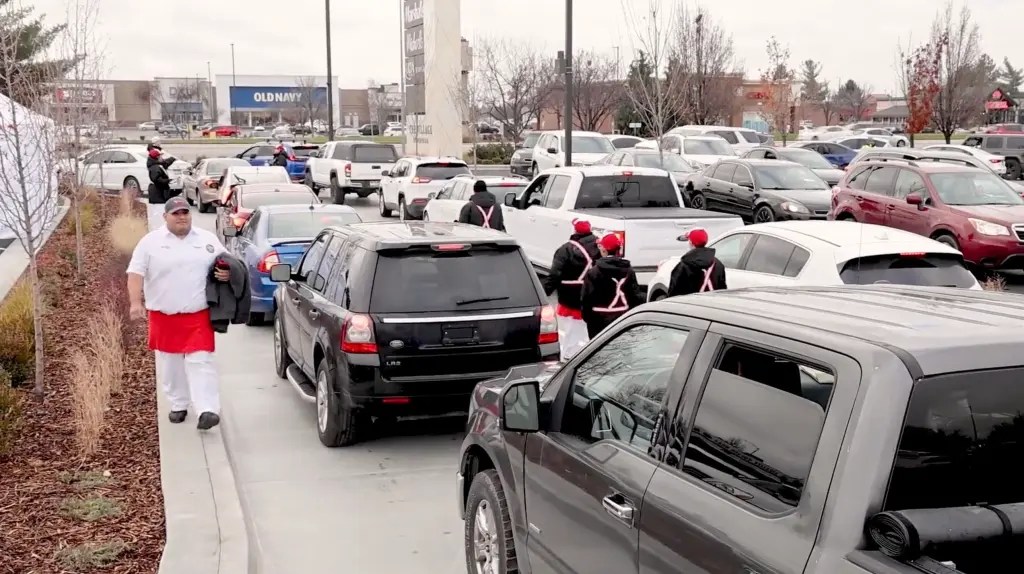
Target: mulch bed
x=34 y=479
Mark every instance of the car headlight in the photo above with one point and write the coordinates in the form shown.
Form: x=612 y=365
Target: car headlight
x=988 y=228
x=517 y=156
x=794 y=207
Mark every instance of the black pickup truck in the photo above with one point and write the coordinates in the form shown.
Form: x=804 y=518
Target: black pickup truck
x=834 y=430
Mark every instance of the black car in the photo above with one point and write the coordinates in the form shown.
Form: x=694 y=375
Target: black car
x=680 y=169
x=369 y=130
x=394 y=319
x=760 y=190
x=810 y=159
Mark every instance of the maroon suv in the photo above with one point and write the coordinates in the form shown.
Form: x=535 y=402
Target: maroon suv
x=967 y=208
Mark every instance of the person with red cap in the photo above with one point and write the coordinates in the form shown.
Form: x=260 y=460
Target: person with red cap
x=610 y=288
x=159 y=185
x=698 y=270
x=571 y=263
x=280 y=156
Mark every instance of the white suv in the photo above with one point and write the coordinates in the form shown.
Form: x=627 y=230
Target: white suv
x=741 y=139
x=407 y=187
x=587 y=149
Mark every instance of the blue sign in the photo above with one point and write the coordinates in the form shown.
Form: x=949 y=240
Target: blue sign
x=276 y=97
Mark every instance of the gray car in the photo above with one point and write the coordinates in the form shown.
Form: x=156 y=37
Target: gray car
x=805 y=157
x=1010 y=146
x=680 y=169
x=522 y=159
x=818 y=430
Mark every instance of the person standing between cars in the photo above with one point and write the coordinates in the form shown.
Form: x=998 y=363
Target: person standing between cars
x=280 y=157
x=610 y=288
x=167 y=280
x=482 y=209
x=159 y=186
x=569 y=266
x=698 y=270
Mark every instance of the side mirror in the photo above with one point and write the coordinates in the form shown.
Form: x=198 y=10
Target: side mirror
x=385 y=173
x=520 y=406
x=230 y=231
x=510 y=199
x=552 y=150
x=281 y=273
x=915 y=199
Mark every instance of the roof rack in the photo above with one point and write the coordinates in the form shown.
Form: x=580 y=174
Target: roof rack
x=908 y=161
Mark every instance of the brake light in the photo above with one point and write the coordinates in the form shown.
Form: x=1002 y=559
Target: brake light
x=509 y=185
x=548 y=326
x=627 y=174
x=419 y=179
x=395 y=400
x=996 y=160
x=622 y=240
x=239 y=219
x=357 y=335
x=450 y=247
x=348 y=170
x=208 y=183
x=291 y=157
x=268 y=261
x=913 y=254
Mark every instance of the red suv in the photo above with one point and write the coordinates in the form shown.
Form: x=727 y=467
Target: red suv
x=970 y=209
x=223 y=131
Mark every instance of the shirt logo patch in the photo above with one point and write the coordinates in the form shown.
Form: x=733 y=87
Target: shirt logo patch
x=209 y=248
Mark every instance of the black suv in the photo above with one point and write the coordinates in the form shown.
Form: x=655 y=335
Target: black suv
x=393 y=319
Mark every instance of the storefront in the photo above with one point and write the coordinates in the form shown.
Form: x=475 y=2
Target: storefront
x=1000 y=108
x=268 y=100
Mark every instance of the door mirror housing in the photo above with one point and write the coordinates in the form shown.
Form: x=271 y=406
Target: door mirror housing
x=281 y=273
x=510 y=199
x=385 y=174
x=431 y=195
x=552 y=150
x=230 y=231
x=915 y=199
x=520 y=407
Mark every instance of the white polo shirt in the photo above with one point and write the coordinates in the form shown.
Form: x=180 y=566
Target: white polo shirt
x=175 y=269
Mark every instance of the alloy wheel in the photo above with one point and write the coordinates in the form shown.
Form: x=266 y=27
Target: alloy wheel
x=401 y=209
x=697 y=201
x=485 y=540
x=321 y=400
x=277 y=343
x=764 y=215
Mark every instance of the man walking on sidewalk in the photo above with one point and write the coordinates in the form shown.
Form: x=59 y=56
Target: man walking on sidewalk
x=168 y=274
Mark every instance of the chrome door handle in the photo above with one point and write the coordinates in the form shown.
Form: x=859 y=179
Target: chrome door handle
x=295 y=300
x=620 y=511
x=314 y=313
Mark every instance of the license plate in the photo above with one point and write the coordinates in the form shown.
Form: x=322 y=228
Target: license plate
x=459 y=335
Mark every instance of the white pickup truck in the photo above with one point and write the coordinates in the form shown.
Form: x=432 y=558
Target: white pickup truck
x=349 y=167
x=640 y=205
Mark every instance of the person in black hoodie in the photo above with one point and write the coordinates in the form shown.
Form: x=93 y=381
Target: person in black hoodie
x=571 y=263
x=698 y=270
x=482 y=209
x=280 y=157
x=159 y=185
x=610 y=288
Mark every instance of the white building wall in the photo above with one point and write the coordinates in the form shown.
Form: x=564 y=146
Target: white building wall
x=438 y=132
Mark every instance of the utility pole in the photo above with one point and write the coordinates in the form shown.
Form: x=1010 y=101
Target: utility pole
x=401 y=63
x=699 y=22
x=233 y=80
x=330 y=83
x=568 y=83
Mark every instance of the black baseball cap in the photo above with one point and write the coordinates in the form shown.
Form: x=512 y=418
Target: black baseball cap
x=176 y=203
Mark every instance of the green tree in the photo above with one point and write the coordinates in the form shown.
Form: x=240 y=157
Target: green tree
x=988 y=71
x=641 y=76
x=32 y=38
x=813 y=89
x=1011 y=77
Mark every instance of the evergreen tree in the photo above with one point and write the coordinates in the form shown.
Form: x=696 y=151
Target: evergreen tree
x=640 y=72
x=813 y=89
x=30 y=69
x=1011 y=77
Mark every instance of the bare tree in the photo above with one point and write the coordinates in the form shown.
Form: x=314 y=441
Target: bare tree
x=597 y=92
x=828 y=103
x=310 y=102
x=377 y=99
x=960 y=91
x=466 y=98
x=778 y=83
x=704 y=57
x=28 y=183
x=515 y=83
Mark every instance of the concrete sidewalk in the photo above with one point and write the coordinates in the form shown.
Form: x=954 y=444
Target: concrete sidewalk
x=14 y=258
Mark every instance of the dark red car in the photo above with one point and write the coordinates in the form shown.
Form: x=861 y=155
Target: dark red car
x=1003 y=129
x=223 y=131
x=970 y=209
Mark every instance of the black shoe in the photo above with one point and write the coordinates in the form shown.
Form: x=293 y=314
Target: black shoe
x=177 y=416
x=207 y=421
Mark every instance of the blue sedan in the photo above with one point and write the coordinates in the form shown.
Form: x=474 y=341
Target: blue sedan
x=836 y=154
x=280 y=234
x=298 y=153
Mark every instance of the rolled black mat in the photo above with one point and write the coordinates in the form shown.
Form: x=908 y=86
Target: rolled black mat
x=907 y=534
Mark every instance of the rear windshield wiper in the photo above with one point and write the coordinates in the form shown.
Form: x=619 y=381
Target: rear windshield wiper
x=478 y=300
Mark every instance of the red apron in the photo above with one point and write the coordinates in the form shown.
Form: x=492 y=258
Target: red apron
x=181 y=332
x=563 y=311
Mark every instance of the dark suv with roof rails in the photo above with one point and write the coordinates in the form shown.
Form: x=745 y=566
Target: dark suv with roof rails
x=395 y=319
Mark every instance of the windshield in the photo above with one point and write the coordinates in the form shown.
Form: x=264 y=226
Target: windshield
x=441 y=170
x=666 y=161
x=374 y=154
x=626 y=191
x=751 y=137
x=787 y=177
x=974 y=188
x=443 y=280
x=306 y=223
x=217 y=167
x=706 y=147
x=806 y=158
x=587 y=144
x=531 y=140
x=253 y=200
x=934 y=270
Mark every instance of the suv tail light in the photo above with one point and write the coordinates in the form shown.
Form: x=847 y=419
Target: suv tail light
x=996 y=160
x=239 y=219
x=208 y=182
x=267 y=261
x=357 y=335
x=548 y=326
x=419 y=179
x=348 y=170
x=291 y=157
x=622 y=239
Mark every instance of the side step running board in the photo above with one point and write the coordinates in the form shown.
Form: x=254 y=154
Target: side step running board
x=302 y=385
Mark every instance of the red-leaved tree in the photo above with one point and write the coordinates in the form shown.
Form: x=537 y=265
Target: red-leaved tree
x=921 y=76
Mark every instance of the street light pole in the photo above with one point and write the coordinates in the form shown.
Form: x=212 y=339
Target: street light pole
x=233 y=78
x=330 y=83
x=401 y=62
x=568 y=83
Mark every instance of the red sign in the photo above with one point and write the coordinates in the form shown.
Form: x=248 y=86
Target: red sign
x=79 y=95
x=757 y=96
x=997 y=95
x=1000 y=105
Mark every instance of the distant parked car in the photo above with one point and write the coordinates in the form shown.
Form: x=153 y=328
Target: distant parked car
x=624 y=141
x=1009 y=146
x=805 y=157
x=146 y=126
x=263 y=154
x=171 y=129
x=996 y=163
x=247 y=197
x=760 y=190
x=199 y=184
x=680 y=169
x=222 y=131
x=369 y=130
x=836 y=154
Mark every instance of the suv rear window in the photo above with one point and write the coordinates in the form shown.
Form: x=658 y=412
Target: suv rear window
x=441 y=170
x=374 y=154
x=934 y=269
x=418 y=281
x=627 y=191
x=304 y=151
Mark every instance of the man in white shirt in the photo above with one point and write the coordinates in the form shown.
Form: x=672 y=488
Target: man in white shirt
x=168 y=273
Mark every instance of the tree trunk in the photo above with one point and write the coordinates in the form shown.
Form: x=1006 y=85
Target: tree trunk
x=76 y=202
x=947 y=134
x=39 y=388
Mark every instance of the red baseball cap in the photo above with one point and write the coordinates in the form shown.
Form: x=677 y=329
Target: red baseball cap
x=698 y=237
x=154 y=153
x=610 y=242
x=581 y=226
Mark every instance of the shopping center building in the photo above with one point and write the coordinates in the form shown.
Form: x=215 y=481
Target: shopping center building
x=268 y=100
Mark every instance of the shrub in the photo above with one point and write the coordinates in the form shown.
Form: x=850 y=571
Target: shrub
x=107 y=346
x=86 y=216
x=90 y=509
x=491 y=154
x=17 y=334
x=89 y=395
x=90 y=555
x=127 y=201
x=994 y=283
x=126 y=231
x=10 y=414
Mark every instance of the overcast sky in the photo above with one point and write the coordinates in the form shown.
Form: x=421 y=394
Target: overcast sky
x=146 y=38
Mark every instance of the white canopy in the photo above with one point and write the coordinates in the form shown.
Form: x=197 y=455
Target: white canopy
x=28 y=178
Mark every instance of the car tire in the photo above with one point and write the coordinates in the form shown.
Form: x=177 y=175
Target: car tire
x=282 y=360
x=764 y=214
x=947 y=239
x=337 y=193
x=381 y=206
x=1013 y=169
x=488 y=531
x=658 y=296
x=846 y=217
x=204 y=207
x=336 y=425
x=403 y=213
x=308 y=180
x=426 y=216
x=534 y=171
x=131 y=183
x=697 y=201
x=255 y=319
x=189 y=199
x=901 y=143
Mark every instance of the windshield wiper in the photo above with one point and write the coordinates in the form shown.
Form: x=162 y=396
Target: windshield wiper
x=478 y=300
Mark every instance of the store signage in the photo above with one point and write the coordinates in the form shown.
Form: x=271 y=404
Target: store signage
x=413 y=13
x=757 y=96
x=264 y=97
x=415 y=56
x=414 y=69
x=1000 y=105
x=79 y=95
x=997 y=95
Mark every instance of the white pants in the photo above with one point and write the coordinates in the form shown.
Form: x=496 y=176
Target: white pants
x=572 y=336
x=155 y=214
x=189 y=378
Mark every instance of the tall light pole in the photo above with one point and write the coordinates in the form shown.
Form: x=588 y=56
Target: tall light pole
x=231 y=96
x=330 y=83
x=568 y=83
x=699 y=22
x=401 y=63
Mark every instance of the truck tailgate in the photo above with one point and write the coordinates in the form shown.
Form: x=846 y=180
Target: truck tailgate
x=367 y=172
x=649 y=241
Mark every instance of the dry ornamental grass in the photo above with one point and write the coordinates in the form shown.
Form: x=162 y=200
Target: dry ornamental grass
x=90 y=395
x=17 y=337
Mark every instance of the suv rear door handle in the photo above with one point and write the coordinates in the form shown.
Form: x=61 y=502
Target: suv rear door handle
x=314 y=313
x=859 y=197
x=295 y=300
x=618 y=507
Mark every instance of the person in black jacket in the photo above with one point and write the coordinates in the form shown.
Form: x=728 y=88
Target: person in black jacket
x=571 y=263
x=610 y=288
x=482 y=209
x=280 y=157
x=698 y=270
x=159 y=186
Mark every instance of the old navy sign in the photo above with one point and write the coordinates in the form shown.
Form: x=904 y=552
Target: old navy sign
x=261 y=97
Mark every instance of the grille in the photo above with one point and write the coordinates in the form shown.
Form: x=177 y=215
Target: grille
x=1018 y=228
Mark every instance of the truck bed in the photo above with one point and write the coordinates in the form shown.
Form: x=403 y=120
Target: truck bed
x=634 y=213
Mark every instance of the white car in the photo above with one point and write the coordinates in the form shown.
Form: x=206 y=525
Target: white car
x=996 y=163
x=115 y=168
x=447 y=203
x=623 y=141
x=407 y=186
x=587 y=149
x=857 y=142
x=282 y=134
x=146 y=126
x=823 y=133
x=394 y=131
x=258 y=131
x=893 y=139
x=822 y=253
x=698 y=151
x=741 y=139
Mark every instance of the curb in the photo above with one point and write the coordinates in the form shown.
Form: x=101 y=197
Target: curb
x=255 y=556
x=206 y=529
